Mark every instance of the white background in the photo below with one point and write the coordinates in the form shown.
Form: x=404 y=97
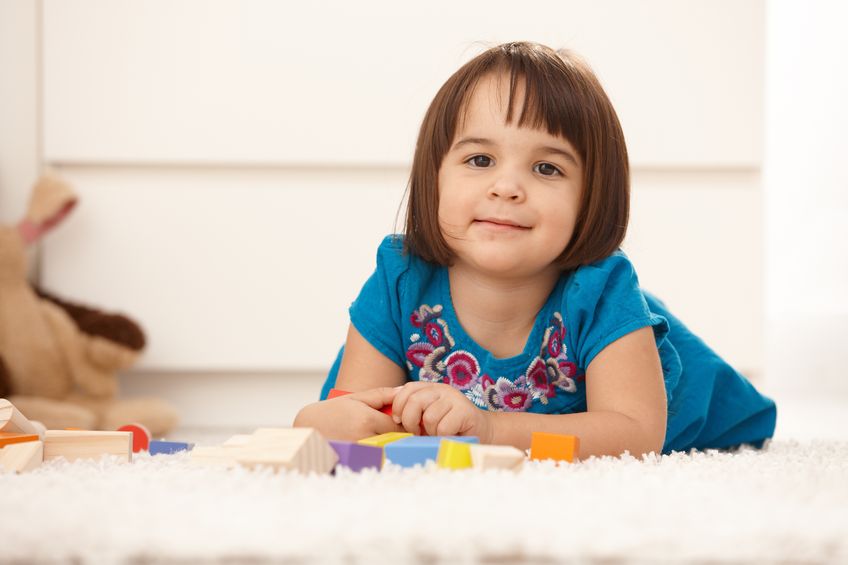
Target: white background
x=239 y=161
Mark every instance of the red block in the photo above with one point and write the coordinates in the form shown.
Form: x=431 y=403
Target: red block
x=140 y=435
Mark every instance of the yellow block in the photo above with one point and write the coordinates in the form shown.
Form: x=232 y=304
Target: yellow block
x=381 y=441
x=454 y=455
x=554 y=446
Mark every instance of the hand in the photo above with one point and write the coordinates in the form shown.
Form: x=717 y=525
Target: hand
x=351 y=417
x=442 y=410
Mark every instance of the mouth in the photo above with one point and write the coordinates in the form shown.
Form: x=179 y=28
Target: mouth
x=500 y=223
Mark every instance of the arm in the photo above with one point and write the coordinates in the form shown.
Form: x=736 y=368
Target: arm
x=371 y=377
x=626 y=404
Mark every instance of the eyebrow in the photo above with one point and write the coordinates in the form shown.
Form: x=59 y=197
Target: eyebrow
x=546 y=148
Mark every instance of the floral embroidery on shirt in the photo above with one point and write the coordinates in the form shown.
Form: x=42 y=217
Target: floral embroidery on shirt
x=432 y=351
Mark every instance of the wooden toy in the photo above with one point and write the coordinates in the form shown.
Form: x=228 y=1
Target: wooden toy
x=9 y=439
x=158 y=447
x=497 y=457
x=558 y=447
x=12 y=421
x=140 y=436
x=22 y=457
x=356 y=456
x=454 y=455
x=83 y=444
x=417 y=450
x=383 y=439
x=301 y=449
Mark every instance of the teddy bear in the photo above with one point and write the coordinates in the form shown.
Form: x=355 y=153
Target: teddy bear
x=59 y=360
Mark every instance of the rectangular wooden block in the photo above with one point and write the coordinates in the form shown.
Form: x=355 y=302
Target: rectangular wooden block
x=497 y=457
x=83 y=444
x=22 y=457
x=417 y=450
x=12 y=421
x=9 y=438
x=558 y=447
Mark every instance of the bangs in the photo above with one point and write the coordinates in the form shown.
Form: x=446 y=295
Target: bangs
x=543 y=93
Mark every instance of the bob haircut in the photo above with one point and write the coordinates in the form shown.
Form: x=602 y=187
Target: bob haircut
x=564 y=97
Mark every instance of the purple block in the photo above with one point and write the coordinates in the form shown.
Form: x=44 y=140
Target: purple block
x=356 y=456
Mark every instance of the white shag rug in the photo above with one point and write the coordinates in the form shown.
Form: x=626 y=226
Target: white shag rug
x=785 y=504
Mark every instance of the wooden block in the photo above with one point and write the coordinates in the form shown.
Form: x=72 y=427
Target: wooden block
x=82 y=444
x=140 y=436
x=454 y=455
x=301 y=449
x=158 y=447
x=417 y=450
x=12 y=421
x=22 y=457
x=356 y=456
x=497 y=457
x=558 y=447
x=9 y=438
x=383 y=439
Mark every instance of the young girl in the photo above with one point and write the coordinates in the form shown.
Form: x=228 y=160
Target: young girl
x=507 y=306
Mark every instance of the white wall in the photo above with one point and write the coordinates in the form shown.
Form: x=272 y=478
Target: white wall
x=806 y=189
x=19 y=105
x=207 y=137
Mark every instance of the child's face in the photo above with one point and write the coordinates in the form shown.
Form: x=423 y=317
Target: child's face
x=508 y=196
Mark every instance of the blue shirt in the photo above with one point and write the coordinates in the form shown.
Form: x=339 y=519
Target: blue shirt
x=405 y=311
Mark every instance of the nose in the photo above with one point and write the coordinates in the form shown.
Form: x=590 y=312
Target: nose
x=507 y=186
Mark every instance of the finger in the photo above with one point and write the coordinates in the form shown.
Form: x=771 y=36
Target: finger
x=452 y=424
x=385 y=424
x=415 y=406
x=433 y=414
x=402 y=397
x=376 y=398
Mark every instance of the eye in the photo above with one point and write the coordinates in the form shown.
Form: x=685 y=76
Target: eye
x=548 y=170
x=480 y=161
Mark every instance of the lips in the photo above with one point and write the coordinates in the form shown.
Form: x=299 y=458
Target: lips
x=501 y=223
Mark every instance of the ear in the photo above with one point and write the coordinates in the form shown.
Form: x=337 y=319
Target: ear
x=52 y=199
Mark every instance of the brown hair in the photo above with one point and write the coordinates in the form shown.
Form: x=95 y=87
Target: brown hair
x=563 y=96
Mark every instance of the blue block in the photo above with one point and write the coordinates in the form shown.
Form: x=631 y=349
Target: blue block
x=417 y=450
x=168 y=447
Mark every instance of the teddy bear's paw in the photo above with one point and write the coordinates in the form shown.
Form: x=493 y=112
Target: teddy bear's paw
x=54 y=414
x=155 y=414
x=110 y=355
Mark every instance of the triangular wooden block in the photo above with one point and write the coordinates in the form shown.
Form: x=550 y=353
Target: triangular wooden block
x=301 y=449
x=12 y=421
x=22 y=457
x=497 y=457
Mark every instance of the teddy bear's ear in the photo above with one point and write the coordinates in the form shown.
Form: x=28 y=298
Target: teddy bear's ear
x=52 y=199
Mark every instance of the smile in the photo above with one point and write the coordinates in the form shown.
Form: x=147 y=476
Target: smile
x=500 y=224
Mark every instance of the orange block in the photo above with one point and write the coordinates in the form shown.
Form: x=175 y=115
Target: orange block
x=558 y=447
x=7 y=438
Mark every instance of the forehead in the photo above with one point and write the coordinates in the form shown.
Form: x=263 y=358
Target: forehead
x=490 y=108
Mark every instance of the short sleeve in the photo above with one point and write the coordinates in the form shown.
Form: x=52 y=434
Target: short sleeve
x=376 y=312
x=604 y=302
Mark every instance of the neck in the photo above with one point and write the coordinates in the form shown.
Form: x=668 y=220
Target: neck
x=499 y=313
